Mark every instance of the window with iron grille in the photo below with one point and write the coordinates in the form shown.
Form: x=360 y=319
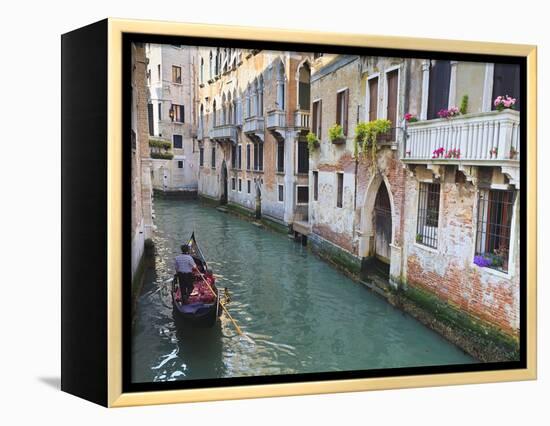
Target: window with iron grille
x=176 y=74
x=259 y=156
x=281 y=192
x=303 y=157
x=240 y=185
x=239 y=156
x=177 y=113
x=428 y=214
x=213 y=158
x=248 y=186
x=178 y=141
x=180 y=164
x=233 y=183
x=494 y=224
x=201 y=156
x=302 y=194
x=248 y=157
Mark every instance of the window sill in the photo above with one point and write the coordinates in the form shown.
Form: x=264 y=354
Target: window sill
x=426 y=248
x=492 y=271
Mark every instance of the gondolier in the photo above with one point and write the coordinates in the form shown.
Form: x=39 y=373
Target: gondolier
x=185 y=266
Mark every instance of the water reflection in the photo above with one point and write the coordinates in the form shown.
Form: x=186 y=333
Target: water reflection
x=302 y=315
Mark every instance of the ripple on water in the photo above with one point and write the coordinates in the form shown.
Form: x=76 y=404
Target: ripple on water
x=302 y=315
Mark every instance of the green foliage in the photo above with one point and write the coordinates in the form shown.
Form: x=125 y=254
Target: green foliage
x=335 y=132
x=464 y=105
x=160 y=144
x=366 y=134
x=312 y=141
x=162 y=155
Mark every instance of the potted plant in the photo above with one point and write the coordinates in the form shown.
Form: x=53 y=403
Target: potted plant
x=449 y=113
x=493 y=152
x=513 y=153
x=504 y=102
x=312 y=141
x=439 y=152
x=411 y=118
x=336 y=134
x=419 y=238
x=464 y=105
x=366 y=136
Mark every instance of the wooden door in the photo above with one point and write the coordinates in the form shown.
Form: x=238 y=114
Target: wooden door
x=382 y=224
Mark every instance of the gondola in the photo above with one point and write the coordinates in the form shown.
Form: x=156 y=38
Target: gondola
x=202 y=308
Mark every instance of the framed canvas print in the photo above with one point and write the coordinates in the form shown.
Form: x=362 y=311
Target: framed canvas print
x=254 y=212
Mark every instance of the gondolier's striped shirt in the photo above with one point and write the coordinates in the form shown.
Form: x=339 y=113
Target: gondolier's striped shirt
x=184 y=263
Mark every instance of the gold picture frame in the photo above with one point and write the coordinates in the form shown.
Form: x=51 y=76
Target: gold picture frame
x=116 y=28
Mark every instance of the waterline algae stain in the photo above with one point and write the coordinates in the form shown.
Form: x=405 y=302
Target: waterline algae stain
x=303 y=315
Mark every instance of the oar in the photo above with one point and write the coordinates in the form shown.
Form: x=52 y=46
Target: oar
x=239 y=331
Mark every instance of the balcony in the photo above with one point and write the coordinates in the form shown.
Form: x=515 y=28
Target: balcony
x=224 y=133
x=254 y=128
x=276 y=123
x=302 y=120
x=481 y=139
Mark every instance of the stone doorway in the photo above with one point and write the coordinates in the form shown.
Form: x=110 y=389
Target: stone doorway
x=382 y=225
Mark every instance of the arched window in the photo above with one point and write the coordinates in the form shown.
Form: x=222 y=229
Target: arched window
x=255 y=105
x=229 y=109
x=201 y=118
x=261 y=96
x=202 y=70
x=281 y=86
x=224 y=110
x=210 y=68
x=247 y=110
x=304 y=93
x=214 y=124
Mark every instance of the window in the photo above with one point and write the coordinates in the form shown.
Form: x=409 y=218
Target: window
x=438 y=94
x=302 y=194
x=280 y=157
x=494 y=224
x=233 y=183
x=202 y=70
x=340 y=189
x=176 y=74
x=180 y=164
x=281 y=193
x=316 y=126
x=428 y=214
x=392 y=80
x=240 y=185
x=342 y=101
x=150 y=119
x=315 y=185
x=158 y=72
x=177 y=113
x=304 y=91
x=213 y=158
x=178 y=141
x=373 y=98
x=258 y=156
x=506 y=82
x=303 y=157
x=159 y=107
x=201 y=156
x=248 y=186
x=239 y=156
x=233 y=156
x=248 y=157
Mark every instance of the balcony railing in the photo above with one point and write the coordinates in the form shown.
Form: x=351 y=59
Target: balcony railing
x=254 y=124
x=224 y=133
x=302 y=119
x=275 y=119
x=473 y=138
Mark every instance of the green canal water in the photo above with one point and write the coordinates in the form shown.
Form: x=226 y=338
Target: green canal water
x=303 y=315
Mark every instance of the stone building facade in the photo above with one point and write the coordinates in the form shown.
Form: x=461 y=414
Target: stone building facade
x=142 y=221
x=437 y=207
x=253 y=115
x=172 y=83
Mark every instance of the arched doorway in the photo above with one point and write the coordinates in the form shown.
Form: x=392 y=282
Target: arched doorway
x=382 y=225
x=223 y=176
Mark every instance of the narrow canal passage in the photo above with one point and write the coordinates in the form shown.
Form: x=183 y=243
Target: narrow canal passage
x=303 y=315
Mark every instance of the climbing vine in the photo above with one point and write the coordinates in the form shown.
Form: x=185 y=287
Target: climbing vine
x=366 y=134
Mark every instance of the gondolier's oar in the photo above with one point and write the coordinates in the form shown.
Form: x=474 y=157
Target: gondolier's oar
x=239 y=331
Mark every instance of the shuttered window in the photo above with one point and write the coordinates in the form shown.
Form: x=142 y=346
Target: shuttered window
x=316 y=124
x=391 y=111
x=342 y=103
x=280 y=157
x=178 y=141
x=340 y=189
x=506 y=82
x=438 y=94
x=373 y=98
x=303 y=157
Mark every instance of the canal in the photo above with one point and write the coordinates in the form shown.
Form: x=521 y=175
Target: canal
x=303 y=315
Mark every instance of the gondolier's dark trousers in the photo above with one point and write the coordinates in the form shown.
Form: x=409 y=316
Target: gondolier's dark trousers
x=185 y=281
